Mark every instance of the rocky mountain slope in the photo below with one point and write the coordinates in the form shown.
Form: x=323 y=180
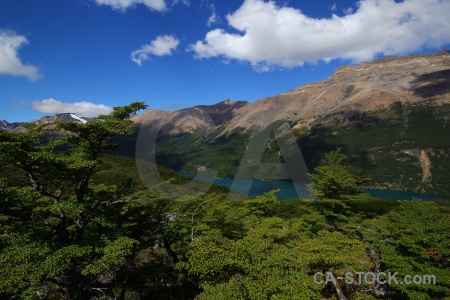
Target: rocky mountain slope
x=66 y=117
x=203 y=118
x=349 y=91
x=4 y=125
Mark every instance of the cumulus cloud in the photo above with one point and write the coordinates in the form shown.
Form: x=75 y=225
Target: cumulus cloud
x=10 y=63
x=84 y=109
x=281 y=36
x=157 y=5
x=162 y=45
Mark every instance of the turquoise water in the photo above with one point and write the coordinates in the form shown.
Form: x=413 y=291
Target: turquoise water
x=287 y=189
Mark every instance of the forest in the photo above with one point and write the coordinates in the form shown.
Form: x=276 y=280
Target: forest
x=76 y=222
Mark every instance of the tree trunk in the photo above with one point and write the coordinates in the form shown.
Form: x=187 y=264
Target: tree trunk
x=173 y=256
x=337 y=286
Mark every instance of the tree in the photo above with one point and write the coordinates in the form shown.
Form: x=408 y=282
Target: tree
x=264 y=264
x=60 y=234
x=415 y=240
x=333 y=179
x=335 y=253
x=273 y=258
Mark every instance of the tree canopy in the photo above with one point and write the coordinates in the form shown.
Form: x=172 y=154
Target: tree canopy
x=333 y=180
x=75 y=225
x=59 y=232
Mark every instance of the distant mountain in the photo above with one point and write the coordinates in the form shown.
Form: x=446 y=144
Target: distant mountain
x=66 y=117
x=203 y=118
x=4 y=125
x=351 y=90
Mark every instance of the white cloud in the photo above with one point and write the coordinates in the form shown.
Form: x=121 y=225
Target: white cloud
x=348 y=11
x=158 y=5
x=84 y=109
x=185 y=2
x=270 y=35
x=10 y=63
x=214 y=18
x=162 y=45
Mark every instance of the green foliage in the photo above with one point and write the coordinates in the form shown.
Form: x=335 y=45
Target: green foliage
x=261 y=265
x=77 y=223
x=55 y=223
x=114 y=256
x=222 y=154
x=397 y=107
x=417 y=242
x=333 y=180
x=274 y=258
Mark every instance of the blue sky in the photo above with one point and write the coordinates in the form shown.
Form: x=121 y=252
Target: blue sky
x=86 y=56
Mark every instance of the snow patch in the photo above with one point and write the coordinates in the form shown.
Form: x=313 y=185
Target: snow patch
x=74 y=116
x=199 y=110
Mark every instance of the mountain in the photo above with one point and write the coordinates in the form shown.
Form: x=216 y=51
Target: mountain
x=389 y=116
x=4 y=125
x=203 y=118
x=351 y=90
x=354 y=89
x=65 y=117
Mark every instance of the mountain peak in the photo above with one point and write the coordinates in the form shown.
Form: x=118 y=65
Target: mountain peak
x=65 y=117
x=228 y=102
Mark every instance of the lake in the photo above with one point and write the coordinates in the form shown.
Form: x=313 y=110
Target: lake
x=287 y=189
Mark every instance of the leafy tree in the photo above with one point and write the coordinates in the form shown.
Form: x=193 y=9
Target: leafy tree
x=336 y=253
x=274 y=258
x=60 y=234
x=262 y=265
x=397 y=107
x=333 y=180
x=416 y=241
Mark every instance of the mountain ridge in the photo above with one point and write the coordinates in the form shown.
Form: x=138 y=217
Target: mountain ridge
x=205 y=118
x=351 y=90
x=65 y=117
x=354 y=89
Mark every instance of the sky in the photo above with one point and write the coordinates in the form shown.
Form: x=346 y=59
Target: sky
x=87 y=56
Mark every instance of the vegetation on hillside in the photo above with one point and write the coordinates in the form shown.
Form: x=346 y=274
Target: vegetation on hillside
x=78 y=224
x=385 y=145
